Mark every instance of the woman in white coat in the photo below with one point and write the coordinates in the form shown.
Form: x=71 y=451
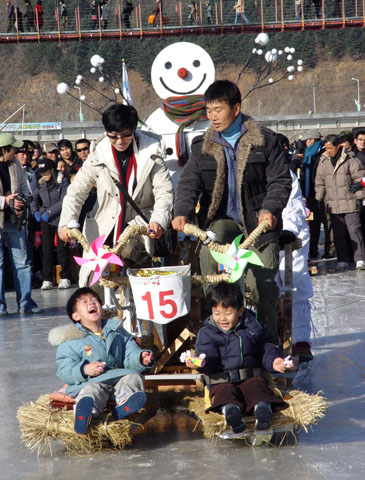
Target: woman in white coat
x=135 y=159
x=294 y=220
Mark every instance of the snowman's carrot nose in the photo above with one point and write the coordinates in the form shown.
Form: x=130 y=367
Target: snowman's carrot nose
x=182 y=72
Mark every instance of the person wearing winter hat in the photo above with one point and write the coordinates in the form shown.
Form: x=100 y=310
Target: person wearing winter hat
x=13 y=192
x=46 y=209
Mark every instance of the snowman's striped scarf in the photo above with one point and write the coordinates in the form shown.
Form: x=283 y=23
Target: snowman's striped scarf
x=184 y=111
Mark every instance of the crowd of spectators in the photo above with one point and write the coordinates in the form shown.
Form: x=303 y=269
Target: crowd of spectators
x=31 y=207
x=330 y=170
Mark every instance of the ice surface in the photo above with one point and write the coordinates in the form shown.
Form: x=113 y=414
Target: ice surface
x=334 y=449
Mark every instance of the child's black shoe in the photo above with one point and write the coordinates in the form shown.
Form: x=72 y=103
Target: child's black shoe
x=232 y=414
x=263 y=415
x=131 y=405
x=83 y=415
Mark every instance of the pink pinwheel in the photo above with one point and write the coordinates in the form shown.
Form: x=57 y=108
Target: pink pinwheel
x=97 y=258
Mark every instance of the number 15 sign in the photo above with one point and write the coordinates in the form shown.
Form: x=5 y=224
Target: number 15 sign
x=161 y=298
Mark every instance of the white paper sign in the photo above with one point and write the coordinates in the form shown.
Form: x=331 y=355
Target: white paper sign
x=160 y=298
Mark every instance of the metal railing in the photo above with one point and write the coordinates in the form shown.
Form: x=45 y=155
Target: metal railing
x=177 y=14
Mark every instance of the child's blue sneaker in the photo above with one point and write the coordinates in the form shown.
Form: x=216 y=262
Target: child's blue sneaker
x=232 y=414
x=83 y=415
x=131 y=405
x=263 y=415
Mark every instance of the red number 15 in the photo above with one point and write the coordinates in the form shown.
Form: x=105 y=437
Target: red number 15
x=162 y=302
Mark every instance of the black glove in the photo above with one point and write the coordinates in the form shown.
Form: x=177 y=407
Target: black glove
x=358 y=203
x=285 y=237
x=355 y=187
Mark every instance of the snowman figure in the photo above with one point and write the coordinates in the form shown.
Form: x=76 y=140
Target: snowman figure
x=180 y=75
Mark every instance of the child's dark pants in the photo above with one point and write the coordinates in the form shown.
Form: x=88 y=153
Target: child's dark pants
x=245 y=394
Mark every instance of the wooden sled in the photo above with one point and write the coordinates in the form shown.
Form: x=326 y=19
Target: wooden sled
x=165 y=411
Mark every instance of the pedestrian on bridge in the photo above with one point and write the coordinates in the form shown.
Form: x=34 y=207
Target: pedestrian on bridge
x=239 y=8
x=126 y=12
x=336 y=10
x=11 y=17
x=64 y=15
x=38 y=15
x=104 y=14
x=29 y=17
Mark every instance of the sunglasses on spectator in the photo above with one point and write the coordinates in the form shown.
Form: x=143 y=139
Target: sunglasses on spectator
x=125 y=136
x=85 y=149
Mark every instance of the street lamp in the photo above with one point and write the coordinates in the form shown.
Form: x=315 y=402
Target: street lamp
x=358 y=104
x=81 y=98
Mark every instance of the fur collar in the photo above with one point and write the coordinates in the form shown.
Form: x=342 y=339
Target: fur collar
x=252 y=138
x=73 y=331
x=63 y=333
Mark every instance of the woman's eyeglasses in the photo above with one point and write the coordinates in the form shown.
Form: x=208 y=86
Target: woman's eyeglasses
x=125 y=136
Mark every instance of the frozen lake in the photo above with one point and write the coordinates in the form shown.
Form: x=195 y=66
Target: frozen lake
x=333 y=450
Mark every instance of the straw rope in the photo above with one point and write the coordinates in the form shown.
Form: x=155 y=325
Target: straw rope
x=190 y=229
x=129 y=232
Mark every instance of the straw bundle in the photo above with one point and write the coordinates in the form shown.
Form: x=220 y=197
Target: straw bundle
x=303 y=410
x=40 y=424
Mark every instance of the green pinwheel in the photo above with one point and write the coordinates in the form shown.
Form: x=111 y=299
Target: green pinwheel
x=236 y=259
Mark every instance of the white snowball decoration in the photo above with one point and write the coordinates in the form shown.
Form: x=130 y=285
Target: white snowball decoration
x=82 y=98
x=274 y=50
x=259 y=51
x=268 y=56
x=291 y=77
x=271 y=57
x=300 y=68
x=254 y=50
x=93 y=70
x=289 y=57
x=262 y=39
x=280 y=52
x=290 y=69
x=300 y=62
x=77 y=81
x=102 y=60
x=95 y=60
x=286 y=49
x=271 y=80
x=292 y=50
x=101 y=79
x=62 y=88
x=117 y=91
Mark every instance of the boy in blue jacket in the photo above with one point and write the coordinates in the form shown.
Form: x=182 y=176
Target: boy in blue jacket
x=99 y=361
x=237 y=348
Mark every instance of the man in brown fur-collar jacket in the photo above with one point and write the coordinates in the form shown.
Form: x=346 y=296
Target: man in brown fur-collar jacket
x=238 y=172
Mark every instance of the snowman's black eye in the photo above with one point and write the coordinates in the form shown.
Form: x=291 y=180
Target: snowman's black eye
x=168 y=65
x=196 y=63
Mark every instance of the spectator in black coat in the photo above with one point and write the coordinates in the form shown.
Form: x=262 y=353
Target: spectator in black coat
x=46 y=208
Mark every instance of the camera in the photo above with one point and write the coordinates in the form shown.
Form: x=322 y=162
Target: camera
x=15 y=219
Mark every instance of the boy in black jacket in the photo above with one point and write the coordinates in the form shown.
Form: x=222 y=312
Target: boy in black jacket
x=237 y=349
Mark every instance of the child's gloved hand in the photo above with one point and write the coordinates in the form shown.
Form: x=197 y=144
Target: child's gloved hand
x=37 y=216
x=94 y=369
x=146 y=358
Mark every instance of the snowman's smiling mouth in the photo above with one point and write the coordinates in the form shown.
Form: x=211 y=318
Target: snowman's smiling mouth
x=184 y=93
